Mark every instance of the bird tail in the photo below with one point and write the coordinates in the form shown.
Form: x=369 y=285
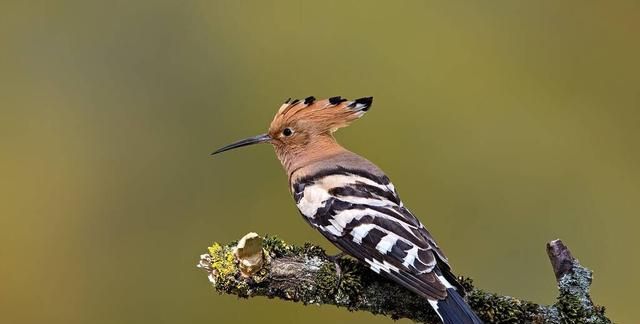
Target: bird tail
x=454 y=310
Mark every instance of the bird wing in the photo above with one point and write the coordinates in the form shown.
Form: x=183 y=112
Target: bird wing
x=362 y=214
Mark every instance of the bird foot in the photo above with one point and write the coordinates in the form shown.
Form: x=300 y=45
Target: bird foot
x=335 y=259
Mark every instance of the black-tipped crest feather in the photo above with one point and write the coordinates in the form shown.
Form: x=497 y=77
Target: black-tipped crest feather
x=362 y=103
x=336 y=100
x=309 y=100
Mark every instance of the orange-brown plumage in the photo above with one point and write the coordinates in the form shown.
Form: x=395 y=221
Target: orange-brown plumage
x=312 y=123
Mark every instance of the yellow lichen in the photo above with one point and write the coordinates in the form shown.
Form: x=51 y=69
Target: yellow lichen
x=223 y=261
x=215 y=249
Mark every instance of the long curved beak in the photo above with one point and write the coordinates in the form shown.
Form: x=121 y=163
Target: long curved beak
x=247 y=141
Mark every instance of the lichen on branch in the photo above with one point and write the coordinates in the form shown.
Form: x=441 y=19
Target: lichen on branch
x=306 y=274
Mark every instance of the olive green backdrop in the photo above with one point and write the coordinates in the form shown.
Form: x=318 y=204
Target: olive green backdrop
x=504 y=125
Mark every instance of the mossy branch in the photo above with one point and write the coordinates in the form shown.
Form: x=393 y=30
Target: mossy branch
x=269 y=267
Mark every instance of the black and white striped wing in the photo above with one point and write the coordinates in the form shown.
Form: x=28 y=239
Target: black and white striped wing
x=362 y=214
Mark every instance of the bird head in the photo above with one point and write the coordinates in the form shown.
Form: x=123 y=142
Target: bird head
x=302 y=129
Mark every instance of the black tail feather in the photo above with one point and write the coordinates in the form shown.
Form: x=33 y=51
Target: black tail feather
x=454 y=310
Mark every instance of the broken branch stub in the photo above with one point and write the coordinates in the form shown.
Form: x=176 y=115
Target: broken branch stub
x=249 y=254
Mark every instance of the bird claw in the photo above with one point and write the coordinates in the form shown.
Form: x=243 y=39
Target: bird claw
x=335 y=259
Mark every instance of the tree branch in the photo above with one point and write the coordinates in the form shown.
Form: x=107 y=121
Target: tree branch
x=270 y=267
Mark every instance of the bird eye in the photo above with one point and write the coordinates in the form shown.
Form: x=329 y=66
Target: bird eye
x=287 y=132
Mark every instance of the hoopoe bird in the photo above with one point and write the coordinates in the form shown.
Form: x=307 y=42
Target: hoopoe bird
x=355 y=205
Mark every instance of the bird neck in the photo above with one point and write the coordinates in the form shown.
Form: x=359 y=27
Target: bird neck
x=296 y=158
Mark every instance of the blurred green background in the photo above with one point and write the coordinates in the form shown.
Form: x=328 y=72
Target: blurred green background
x=503 y=124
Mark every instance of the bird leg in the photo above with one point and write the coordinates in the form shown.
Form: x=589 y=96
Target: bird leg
x=335 y=259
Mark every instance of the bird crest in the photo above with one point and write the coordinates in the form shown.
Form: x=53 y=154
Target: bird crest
x=318 y=117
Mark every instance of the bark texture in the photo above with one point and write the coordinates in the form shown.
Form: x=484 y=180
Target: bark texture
x=306 y=274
